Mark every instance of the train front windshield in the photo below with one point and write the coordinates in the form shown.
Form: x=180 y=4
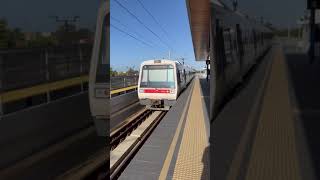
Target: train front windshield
x=157 y=76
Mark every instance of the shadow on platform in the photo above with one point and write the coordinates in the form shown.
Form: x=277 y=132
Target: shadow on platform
x=205 y=160
x=205 y=87
x=305 y=97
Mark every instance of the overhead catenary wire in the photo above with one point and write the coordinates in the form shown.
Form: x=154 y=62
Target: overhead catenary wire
x=135 y=17
x=132 y=36
x=126 y=26
x=136 y=33
x=155 y=20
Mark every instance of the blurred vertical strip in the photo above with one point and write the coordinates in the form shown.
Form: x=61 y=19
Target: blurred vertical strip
x=1 y=85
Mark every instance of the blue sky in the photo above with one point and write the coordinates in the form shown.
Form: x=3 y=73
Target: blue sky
x=171 y=15
x=125 y=51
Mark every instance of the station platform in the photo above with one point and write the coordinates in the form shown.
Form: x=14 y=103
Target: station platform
x=178 y=148
x=261 y=133
x=57 y=159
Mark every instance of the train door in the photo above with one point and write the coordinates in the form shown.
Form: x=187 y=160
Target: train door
x=227 y=46
x=178 y=77
x=185 y=76
x=219 y=51
x=240 y=48
x=218 y=66
x=232 y=67
x=254 y=38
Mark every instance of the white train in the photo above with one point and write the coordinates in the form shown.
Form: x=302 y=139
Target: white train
x=99 y=77
x=161 y=82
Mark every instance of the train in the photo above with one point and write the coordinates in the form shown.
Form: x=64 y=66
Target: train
x=99 y=77
x=161 y=81
x=230 y=41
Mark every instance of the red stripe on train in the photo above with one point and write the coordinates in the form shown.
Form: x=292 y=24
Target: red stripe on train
x=156 y=91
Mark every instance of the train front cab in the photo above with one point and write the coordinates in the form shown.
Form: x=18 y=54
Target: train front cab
x=99 y=77
x=158 y=88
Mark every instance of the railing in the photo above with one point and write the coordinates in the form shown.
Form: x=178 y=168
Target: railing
x=33 y=76
x=47 y=92
x=123 y=82
x=22 y=68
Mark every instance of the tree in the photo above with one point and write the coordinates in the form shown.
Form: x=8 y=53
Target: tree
x=16 y=38
x=4 y=32
x=113 y=72
x=294 y=32
x=85 y=36
x=132 y=72
x=66 y=34
x=42 y=41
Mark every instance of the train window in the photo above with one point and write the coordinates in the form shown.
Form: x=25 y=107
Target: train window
x=178 y=77
x=144 y=77
x=239 y=40
x=158 y=76
x=102 y=75
x=227 y=45
x=254 y=39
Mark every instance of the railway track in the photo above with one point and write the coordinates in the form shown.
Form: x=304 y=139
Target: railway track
x=127 y=139
x=119 y=133
x=96 y=167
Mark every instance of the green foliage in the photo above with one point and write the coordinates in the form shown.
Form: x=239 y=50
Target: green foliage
x=67 y=35
x=113 y=72
x=294 y=32
x=64 y=35
x=15 y=38
x=130 y=72
x=4 y=33
x=41 y=41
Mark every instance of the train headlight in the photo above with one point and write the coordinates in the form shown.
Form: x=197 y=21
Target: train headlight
x=102 y=93
x=172 y=91
x=141 y=91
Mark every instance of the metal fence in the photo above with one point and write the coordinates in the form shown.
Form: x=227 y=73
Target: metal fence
x=123 y=81
x=27 y=67
x=22 y=68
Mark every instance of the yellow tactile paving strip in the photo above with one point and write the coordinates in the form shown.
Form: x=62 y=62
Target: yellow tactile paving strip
x=192 y=161
x=236 y=164
x=274 y=154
